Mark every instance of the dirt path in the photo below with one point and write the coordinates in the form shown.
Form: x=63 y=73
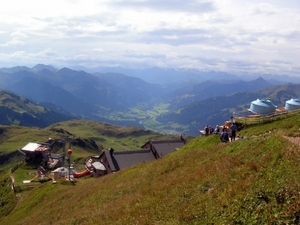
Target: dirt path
x=295 y=140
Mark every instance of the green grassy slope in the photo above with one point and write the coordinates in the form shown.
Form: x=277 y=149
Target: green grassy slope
x=254 y=180
x=105 y=135
x=8 y=199
x=119 y=138
x=14 y=137
x=17 y=110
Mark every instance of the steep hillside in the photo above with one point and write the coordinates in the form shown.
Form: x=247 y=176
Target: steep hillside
x=250 y=181
x=47 y=93
x=16 y=110
x=137 y=90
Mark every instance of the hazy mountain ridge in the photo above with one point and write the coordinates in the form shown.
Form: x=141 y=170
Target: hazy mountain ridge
x=157 y=75
x=126 y=100
x=41 y=91
x=167 y=75
x=210 y=89
x=136 y=88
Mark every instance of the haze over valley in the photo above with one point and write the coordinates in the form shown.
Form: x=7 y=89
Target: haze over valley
x=183 y=106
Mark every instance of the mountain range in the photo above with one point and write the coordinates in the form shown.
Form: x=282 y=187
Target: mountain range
x=167 y=101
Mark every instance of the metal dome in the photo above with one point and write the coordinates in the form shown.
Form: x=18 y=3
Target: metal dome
x=292 y=104
x=262 y=106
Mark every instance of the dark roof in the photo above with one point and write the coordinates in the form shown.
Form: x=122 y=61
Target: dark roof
x=167 y=146
x=152 y=150
x=56 y=156
x=121 y=159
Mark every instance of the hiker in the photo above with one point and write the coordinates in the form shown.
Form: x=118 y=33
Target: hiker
x=217 y=129
x=224 y=137
x=211 y=130
x=206 y=130
x=233 y=130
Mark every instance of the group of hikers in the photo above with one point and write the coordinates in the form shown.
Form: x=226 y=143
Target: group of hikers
x=231 y=133
x=227 y=133
x=210 y=130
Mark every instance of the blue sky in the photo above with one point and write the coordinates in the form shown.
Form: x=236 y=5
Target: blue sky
x=235 y=36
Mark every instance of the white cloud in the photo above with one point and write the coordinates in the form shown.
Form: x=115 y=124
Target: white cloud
x=231 y=35
x=13 y=42
x=165 y=5
x=98 y=50
x=18 y=34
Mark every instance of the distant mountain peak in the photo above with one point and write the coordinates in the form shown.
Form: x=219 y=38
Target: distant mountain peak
x=39 y=67
x=15 y=69
x=260 y=79
x=259 y=82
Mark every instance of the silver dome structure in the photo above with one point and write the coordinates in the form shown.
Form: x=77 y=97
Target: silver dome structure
x=262 y=107
x=292 y=104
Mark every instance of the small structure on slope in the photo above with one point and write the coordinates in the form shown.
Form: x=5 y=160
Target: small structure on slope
x=292 y=104
x=35 y=150
x=117 y=160
x=262 y=107
x=107 y=162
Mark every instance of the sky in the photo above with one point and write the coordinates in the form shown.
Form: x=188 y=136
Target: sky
x=237 y=36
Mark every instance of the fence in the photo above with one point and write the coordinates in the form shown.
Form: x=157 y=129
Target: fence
x=26 y=187
x=256 y=119
x=12 y=179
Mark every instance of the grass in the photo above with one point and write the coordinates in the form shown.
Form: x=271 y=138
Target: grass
x=24 y=172
x=148 y=118
x=8 y=199
x=111 y=136
x=251 y=181
x=13 y=138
